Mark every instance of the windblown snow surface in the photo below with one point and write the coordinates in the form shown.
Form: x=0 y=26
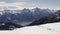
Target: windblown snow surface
x=53 y=28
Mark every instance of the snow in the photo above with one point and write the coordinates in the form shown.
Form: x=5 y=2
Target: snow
x=53 y=28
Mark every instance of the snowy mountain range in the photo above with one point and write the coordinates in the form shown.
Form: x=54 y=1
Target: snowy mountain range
x=11 y=19
x=25 y=16
x=55 y=17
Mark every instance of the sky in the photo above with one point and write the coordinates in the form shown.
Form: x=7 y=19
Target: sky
x=20 y=4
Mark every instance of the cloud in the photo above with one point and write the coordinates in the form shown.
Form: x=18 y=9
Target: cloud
x=20 y=4
x=16 y=5
x=12 y=1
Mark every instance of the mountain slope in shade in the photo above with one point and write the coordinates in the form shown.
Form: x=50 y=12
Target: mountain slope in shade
x=9 y=26
x=53 y=28
x=51 y=19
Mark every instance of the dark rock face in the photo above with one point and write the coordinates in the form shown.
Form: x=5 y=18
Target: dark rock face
x=51 y=19
x=9 y=26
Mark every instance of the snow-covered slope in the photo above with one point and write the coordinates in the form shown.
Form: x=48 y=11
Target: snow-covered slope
x=53 y=28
